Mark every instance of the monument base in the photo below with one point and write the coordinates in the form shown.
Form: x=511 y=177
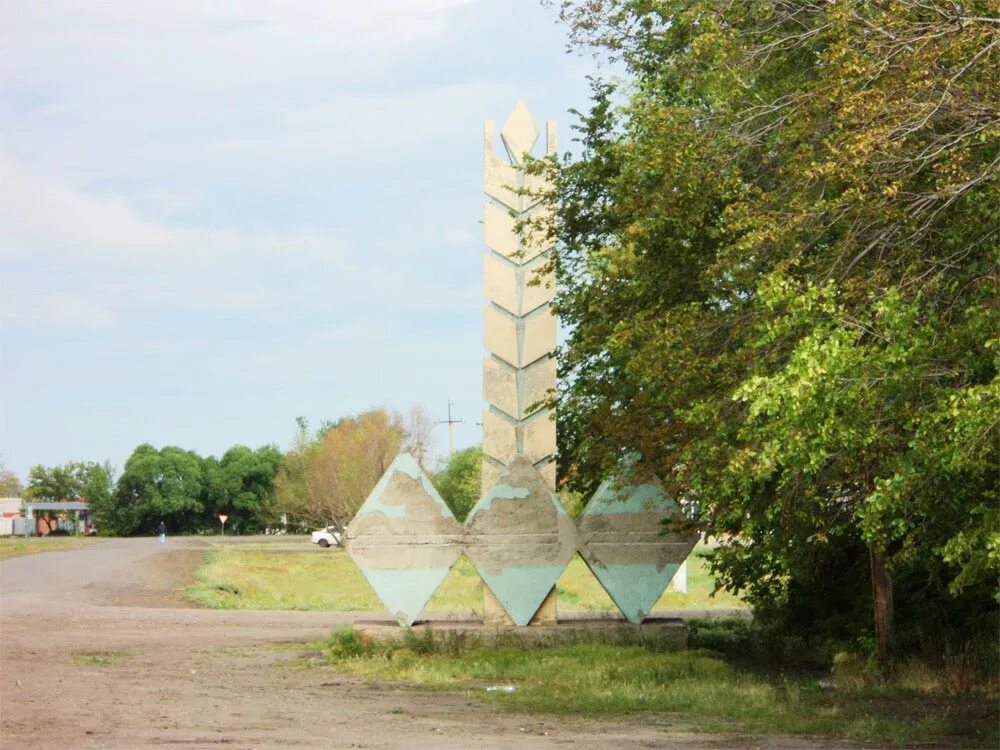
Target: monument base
x=494 y=613
x=666 y=634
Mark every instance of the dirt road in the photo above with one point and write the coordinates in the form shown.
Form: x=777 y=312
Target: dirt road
x=191 y=678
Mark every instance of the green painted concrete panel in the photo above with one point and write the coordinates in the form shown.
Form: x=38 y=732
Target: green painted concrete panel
x=407 y=464
x=521 y=591
x=612 y=497
x=405 y=592
x=498 y=491
x=634 y=588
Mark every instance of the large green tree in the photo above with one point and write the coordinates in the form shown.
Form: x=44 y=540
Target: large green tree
x=98 y=489
x=779 y=265
x=155 y=485
x=240 y=485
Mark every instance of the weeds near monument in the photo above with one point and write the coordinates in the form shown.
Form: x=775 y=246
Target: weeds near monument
x=697 y=687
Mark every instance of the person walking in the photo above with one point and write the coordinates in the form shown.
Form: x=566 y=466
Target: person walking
x=162 y=531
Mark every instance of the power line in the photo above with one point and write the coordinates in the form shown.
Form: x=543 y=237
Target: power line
x=451 y=428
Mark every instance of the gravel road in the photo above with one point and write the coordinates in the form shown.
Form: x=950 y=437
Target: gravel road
x=192 y=678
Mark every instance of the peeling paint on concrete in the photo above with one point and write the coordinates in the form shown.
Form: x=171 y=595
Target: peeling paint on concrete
x=634 y=588
x=521 y=590
x=626 y=546
x=520 y=539
x=404 y=539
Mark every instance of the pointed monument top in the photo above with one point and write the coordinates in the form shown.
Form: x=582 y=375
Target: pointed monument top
x=519 y=132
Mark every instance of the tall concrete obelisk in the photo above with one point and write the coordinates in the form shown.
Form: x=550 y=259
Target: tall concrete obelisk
x=520 y=329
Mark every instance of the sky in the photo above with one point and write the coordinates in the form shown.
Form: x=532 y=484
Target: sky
x=218 y=217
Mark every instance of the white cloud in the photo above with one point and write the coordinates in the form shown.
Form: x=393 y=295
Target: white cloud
x=201 y=47
x=246 y=210
x=94 y=261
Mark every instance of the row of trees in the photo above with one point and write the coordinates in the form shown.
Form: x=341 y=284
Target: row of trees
x=180 y=487
x=321 y=481
x=778 y=258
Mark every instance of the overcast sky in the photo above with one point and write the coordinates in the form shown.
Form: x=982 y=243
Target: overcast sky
x=216 y=217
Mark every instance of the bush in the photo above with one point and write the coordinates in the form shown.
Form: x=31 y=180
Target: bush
x=749 y=642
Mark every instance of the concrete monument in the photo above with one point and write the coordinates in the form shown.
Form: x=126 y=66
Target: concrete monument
x=518 y=536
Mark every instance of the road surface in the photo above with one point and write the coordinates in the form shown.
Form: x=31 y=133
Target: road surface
x=186 y=677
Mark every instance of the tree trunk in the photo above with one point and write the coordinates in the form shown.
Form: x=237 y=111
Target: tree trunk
x=882 y=600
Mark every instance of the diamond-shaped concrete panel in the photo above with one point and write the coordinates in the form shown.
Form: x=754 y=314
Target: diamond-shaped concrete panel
x=540 y=436
x=622 y=542
x=519 y=538
x=404 y=539
x=498 y=232
x=539 y=381
x=534 y=295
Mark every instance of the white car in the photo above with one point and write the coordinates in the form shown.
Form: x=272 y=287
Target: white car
x=326 y=537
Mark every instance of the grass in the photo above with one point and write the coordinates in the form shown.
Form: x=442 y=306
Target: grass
x=697 y=687
x=235 y=578
x=16 y=546
x=98 y=658
x=232 y=578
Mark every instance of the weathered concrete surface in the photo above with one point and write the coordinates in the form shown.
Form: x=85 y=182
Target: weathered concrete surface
x=538 y=436
x=519 y=327
x=520 y=538
x=499 y=436
x=404 y=539
x=622 y=540
x=665 y=634
x=500 y=387
x=539 y=338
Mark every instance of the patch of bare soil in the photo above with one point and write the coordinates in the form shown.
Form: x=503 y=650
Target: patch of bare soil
x=120 y=661
x=154 y=582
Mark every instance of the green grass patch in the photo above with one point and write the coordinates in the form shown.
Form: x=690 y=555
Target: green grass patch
x=316 y=580
x=11 y=546
x=98 y=658
x=237 y=578
x=698 y=687
x=578 y=589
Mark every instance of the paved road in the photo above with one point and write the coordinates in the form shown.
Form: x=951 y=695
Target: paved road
x=98 y=651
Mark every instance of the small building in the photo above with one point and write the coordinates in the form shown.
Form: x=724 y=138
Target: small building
x=46 y=524
x=10 y=515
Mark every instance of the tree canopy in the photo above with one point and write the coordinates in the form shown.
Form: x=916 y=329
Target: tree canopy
x=778 y=260
x=459 y=480
x=327 y=476
x=10 y=484
x=240 y=485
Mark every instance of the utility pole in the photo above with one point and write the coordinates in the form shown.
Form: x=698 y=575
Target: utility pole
x=451 y=428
